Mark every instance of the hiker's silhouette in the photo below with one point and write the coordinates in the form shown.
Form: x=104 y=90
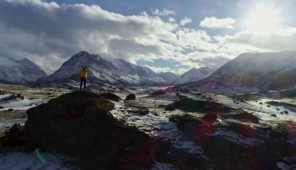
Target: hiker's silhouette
x=83 y=75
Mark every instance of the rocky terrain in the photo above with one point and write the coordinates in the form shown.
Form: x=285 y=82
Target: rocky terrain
x=153 y=129
x=16 y=99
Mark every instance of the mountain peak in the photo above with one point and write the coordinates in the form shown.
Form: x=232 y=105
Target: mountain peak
x=82 y=58
x=169 y=76
x=149 y=71
x=194 y=74
x=25 y=60
x=22 y=71
x=117 y=72
x=82 y=53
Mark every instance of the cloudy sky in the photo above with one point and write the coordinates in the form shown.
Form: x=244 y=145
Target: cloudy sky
x=167 y=35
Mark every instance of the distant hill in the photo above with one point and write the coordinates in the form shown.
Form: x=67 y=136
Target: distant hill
x=251 y=72
x=193 y=75
x=168 y=76
x=23 y=72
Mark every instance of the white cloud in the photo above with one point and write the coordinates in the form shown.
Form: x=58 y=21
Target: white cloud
x=185 y=21
x=180 y=71
x=214 y=22
x=159 y=69
x=48 y=34
x=171 y=19
x=163 y=12
x=283 y=39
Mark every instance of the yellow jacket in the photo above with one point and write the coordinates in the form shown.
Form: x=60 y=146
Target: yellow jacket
x=83 y=72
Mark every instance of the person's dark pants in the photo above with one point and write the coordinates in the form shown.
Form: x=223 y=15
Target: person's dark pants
x=82 y=80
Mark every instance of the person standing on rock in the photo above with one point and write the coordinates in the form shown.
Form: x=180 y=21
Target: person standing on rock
x=83 y=75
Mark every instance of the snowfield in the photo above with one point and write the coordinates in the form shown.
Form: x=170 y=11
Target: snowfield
x=17 y=104
x=20 y=104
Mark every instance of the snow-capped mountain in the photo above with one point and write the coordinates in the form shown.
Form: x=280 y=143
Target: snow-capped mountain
x=194 y=75
x=115 y=72
x=169 y=76
x=22 y=72
x=149 y=71
x=251 y=72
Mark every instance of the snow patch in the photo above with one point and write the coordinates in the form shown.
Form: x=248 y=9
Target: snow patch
x=159 y=127
x=9 y=123
x=19 y=104
x=163 y=166
x=235 y=138
x=283 y=166
x=46 y=161
x=2 y=97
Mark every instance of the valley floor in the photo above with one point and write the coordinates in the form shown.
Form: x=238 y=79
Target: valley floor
x=158 y=123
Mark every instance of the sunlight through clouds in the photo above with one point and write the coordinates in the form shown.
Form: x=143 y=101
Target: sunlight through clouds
x=56 y=32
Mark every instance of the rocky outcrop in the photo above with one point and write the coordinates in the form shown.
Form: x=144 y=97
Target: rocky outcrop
x=209 y=118
x=138 y=110
x=239 y=145
x=169 y=107
x=110 y=96
x=131 y=97
x=79 y=124
x=16 y=136
x=244 y=117
x=191 y=105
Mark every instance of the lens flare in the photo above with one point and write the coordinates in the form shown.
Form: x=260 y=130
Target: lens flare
x=40 y=155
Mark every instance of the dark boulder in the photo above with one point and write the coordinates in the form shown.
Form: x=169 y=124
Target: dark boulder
x=131 y=97
x=110 y=96
x=191 y=105
x=169 y=107
x=245 y=117
x=209 y=98
x=158 y=93
x=16 y=136
x=185 y=122
x=182 y=96
x=80 y=124
x=138 y=109
x=209 y=118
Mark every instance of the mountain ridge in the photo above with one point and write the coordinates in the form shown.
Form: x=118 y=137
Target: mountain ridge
x=251 y=72
x=22 y=72
x=193 y=75
x=169 y=76
x=115 y=72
